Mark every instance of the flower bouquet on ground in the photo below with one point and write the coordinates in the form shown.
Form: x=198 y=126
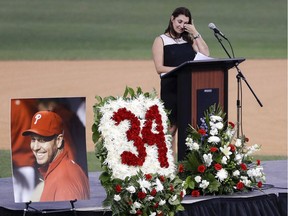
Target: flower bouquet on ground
x=134 y=147
x=217 y=162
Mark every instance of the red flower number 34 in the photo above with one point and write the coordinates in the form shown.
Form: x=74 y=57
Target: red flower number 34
x=141 y=136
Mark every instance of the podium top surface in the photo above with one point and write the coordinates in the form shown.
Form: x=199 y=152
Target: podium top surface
x=225 y=63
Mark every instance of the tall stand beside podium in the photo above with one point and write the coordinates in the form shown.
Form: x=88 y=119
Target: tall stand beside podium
x=200 y=84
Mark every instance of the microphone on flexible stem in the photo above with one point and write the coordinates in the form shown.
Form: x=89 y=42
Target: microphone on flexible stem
x=216 y=30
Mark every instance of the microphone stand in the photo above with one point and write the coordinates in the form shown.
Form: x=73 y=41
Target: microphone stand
x=220 y=41
x=239 y=77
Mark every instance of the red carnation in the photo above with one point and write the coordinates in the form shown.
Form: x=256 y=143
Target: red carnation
x=213 y=149
x=156 y=205
x=118 y=188
x=148 y=177
x=201 y=168
x=139 y=212
x=202 y=131
x=246 y=139
x=240 y=185
x=243 y=166
x=218 y=166
x=231 y=124
x=181 y=168
x=141 y=195
x=153 y=192
x=171 y=188
x=232 y=147
x=195 y=193
x=162 y=178
x=259 y=184
x=258 y=162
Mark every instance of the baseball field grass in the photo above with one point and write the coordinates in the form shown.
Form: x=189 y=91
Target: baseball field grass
x=89 y=29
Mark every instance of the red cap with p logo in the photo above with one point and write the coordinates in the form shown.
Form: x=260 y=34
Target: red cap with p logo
x=45 y=123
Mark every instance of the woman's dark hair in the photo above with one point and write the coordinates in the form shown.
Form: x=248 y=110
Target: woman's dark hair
x=180 y=11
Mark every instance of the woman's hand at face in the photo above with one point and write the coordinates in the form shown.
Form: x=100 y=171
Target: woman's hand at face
x=190 y=28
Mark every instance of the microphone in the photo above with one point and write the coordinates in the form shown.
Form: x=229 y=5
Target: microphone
x=216 y=30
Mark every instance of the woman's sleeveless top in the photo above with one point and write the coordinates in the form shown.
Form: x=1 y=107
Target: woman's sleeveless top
x=176 y=51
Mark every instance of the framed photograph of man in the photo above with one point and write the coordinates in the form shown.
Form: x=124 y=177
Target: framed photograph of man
x=48 y=145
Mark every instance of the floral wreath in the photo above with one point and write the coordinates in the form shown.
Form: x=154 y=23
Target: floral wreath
x=134 y=148
x=213 y=164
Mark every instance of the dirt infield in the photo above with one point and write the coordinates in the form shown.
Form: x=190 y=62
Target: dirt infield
x=266 y=126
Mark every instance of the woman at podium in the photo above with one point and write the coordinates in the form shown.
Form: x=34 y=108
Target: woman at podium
x=179 y=43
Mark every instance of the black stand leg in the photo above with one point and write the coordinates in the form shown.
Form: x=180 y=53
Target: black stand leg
x=73 y=207
x=26 y=210
x=238 y=104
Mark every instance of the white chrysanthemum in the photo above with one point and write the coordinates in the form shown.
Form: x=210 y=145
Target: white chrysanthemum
x=214 y=118
x=222 y=174
x=204 y=184
x=255 y=172
x=226 y=151
x=236 y=173
x=191 y=144
x=195 y=146
x=213 y=131
x=245 y=181
x=117 y=197
x=218 y=125
x=188 y=141
x=207 y=159
x=197 y=179
x=238 y=143
x=131 y=189
x=214 y=139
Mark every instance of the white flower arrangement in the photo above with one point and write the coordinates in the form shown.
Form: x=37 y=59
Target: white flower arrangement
x=115 y=138
x=134 y=147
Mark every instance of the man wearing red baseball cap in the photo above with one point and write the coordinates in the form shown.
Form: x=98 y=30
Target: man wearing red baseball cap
x=63 y=178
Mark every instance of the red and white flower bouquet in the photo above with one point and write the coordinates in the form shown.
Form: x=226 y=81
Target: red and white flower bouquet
x=217 y=162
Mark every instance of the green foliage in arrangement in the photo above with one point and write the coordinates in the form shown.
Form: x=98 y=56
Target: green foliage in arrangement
x=89 y=29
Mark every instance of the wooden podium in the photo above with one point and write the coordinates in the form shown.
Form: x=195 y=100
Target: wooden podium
x=200 y=84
